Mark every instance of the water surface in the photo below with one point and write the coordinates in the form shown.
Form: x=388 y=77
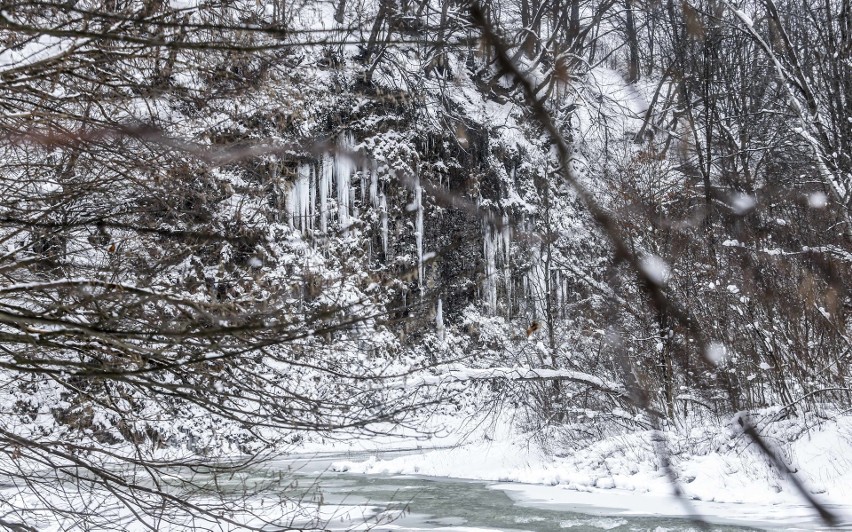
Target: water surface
x=417 y=503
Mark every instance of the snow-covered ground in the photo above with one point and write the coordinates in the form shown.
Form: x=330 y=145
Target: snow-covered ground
x=719 y=473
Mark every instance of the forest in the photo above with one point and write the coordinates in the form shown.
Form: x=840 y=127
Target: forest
x=229 y=228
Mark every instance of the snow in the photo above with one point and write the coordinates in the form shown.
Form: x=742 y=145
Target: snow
x=817 y=200
x=40 y=49
x=716 y=353
x=618 y=502
x=465 y=374
x=183 y=4
x=655 y=269
x=719 y=474
x=744 y=17
x=742 y=203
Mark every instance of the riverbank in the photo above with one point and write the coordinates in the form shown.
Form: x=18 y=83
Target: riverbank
x=718 y=471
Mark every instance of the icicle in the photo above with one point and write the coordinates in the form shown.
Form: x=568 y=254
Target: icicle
x=383 y=210
x=538 y=283
x=326 y=175
x=312 y=196
x=343 y=173
x=365 y=192
x=489 y=285
x=439 y=321
x=374 y=188
x=296 y=204
x=290 y=204
x=558 y=285
x=301 y=197
x=506 y=242
x=418 y=200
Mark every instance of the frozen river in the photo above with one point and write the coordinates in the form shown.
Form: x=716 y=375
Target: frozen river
x=414 y=503
x=310 y=492
x=393 y=502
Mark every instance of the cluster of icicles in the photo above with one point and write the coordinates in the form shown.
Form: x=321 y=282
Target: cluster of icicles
x=497 y=251
x=309 y=194
x=308 y=198
x=338 y=177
